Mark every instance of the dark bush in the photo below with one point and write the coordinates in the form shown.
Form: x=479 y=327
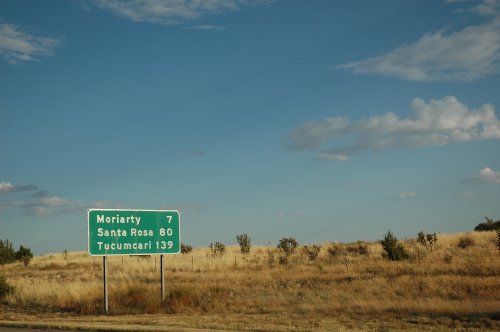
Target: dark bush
x=186 y=248
x=393 y=250
x=5 y=288
x=7 y=253
x=357 y=248
x=489 y=225
x=24 y=254
x=287 y=245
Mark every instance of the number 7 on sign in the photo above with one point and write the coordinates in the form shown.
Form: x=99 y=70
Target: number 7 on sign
x=169 y=219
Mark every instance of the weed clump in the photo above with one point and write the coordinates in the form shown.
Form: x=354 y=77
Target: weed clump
x=312 y=252
x=465 y=241
x=180 y=298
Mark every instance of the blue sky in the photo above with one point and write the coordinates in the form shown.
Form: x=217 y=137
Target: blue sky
x=321 y=120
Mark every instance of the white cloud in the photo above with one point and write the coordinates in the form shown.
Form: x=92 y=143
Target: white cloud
x=487 y=175
x=409 y=194
x=171 y=12
x=328 y=155
x=467 y=54
x=488 y=8
x=438 y=122
x=5 y=187
x=53 y=201
x=17 y=46
x=310 y=135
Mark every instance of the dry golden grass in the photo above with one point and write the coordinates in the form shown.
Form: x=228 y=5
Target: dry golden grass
x=351 y=288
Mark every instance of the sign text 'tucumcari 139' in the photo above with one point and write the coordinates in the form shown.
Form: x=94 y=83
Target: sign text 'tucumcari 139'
x=133 y=232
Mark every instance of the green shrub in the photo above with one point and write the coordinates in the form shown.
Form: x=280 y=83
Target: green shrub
x=287 y=245
x=7 y=253
x=24 y=254
x=244 y=242
x=393 y=249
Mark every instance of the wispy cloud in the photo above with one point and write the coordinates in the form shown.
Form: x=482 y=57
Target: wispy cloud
x=438 y=122
x=485 y=176
x=42 y=203
x=208 y=27
x=199 y=153
x=466 y=194
x=7 y=187
x=407 y=195
x=467 y=54
x=296 y=213
x=18 y=46
x=172 y=12
x=191 y=209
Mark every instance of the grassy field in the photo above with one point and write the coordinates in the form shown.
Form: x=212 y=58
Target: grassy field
x=347 y=287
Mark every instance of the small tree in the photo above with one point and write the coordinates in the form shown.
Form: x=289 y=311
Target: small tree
x=7 y=253
x=244 y=242
x=24 y=254
x=217 y=249
x=393 y=249
x=287 y=247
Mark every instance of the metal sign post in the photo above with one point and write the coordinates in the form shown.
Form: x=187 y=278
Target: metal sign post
x=105 y=269
x=162 y=279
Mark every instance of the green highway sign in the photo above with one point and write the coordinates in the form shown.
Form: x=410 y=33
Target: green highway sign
x=133 y=232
